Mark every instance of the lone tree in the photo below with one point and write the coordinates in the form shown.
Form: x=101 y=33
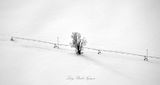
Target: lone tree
x=77 y=42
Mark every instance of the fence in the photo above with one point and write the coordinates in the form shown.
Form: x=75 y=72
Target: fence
x=57 y=44
x=120 y=52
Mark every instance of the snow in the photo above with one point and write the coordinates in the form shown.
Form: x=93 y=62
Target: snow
x=121 y=25
x=30 y=63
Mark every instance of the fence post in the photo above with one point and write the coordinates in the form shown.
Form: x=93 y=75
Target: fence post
x=57 y=42
x=99 y=52
x=146 y=56
x=12 y=39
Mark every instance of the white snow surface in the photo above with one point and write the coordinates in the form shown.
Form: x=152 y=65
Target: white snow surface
x=122 y=25
x=30 y=63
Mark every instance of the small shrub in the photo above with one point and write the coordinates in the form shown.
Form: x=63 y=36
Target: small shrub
x=77 y=42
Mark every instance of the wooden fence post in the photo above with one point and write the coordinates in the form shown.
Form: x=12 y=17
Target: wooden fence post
x=57 y=42
x=146 y=56
x=12 y=39
x=99 y=52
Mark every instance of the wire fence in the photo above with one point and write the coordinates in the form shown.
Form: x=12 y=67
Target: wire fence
x=120 y=52
x=54 y=43
x=98 y=50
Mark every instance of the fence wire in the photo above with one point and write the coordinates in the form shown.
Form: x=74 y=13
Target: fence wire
x=101 y=50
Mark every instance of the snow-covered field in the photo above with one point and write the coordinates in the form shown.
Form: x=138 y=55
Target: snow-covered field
x=30 y=63
x=122 y=25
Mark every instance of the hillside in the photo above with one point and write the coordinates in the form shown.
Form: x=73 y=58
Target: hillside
x=29 y=63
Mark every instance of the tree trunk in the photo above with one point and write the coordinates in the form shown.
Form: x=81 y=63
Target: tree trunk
x=78 y=50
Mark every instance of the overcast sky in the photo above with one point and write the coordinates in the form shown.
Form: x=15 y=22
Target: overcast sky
x=110 y=24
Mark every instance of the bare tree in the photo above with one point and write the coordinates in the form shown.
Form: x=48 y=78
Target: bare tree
x=77 y=42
